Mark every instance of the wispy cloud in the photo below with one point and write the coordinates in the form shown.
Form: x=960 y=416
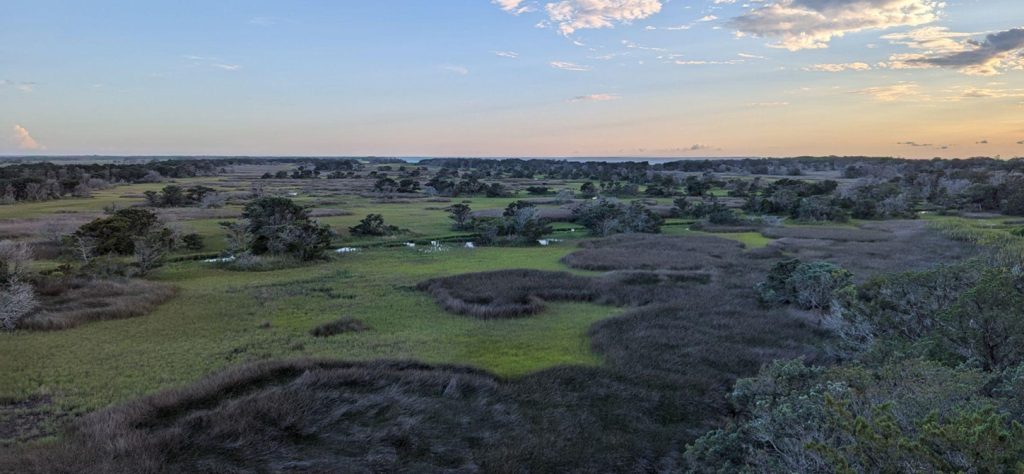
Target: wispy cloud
x=768 y=104
x=895 y=92
x=25 y=87
x=841 y=67
x=810 y=24
x=506 y=54
x=23 y=139
x=568 y=66
x=213 y=62
x=572 y=15
x=515 y=7
x=455 y=69
x=595 y=98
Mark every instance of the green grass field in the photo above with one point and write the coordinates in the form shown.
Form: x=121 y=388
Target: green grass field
x=217 y=318
x=215 y=321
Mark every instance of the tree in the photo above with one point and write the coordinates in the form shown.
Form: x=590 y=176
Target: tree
x=15 y=259
x=115 y=234
x=588 y=190
x=987 y=321
x=461 y=215
x=277 y=225
x=17 y=300
x=373 y=225
x=811 y=286
x=149 y=253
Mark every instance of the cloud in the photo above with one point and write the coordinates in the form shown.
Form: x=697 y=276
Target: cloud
x=567 y=66
x=460 y=70
x=768 y=104
x=914 y=144
x=1020 y=142
x=981 y=142
x=895 y=92
x=935 y=39
x=838 y=67
x=227 y=67
x=25 y=87
x=264 y=21
x=698 y=147
x=572 y=15
x=24 y=140
x=514 y=7
x=595 y=98
x=812 y=24
x=506 y=54
x=996 y=53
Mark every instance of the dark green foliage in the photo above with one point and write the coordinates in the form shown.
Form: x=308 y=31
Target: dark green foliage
x=339 y=326
x=461 y=216
x=987 y=321
x=116 y=234
x=588 y=190
x=812 y=286
x=606 y=217
x=538 y=190
x=373 y=225
x=193 y=242
x=279 y=226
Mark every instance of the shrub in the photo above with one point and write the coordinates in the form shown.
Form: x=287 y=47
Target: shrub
x=461 y=216
x=986 y=322
x=812 y=286
x=339 y=326
x=66 y=302
x=117 y=234
x=373 y=225
x=17 y=300
x=605 y=217
x=279 y=226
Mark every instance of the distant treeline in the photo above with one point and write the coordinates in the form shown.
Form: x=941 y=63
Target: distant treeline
x=25 y=180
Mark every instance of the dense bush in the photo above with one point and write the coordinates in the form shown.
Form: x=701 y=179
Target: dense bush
x=339 y=326
x=605 y=217
x=373 y=226
x=117 y=234
x=278 y=226
x=812 y=286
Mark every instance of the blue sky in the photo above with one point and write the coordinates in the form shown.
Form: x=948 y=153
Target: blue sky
x=916 y=78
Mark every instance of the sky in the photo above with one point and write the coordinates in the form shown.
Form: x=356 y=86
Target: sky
x=506 y=78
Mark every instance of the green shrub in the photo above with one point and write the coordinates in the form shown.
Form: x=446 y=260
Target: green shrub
x=811 y=286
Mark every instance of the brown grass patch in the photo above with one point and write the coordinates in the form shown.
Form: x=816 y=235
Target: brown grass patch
x=69 y=302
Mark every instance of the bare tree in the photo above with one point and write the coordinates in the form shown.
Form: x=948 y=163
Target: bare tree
x=15 y=258
x=16 y=301
x=83 y=248
x=149 y=253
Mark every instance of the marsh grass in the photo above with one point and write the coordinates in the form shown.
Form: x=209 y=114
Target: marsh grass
x=69 y=302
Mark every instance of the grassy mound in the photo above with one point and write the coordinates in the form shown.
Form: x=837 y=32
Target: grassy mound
x=69 y=302
x=653 y=252
x=307 y=416
x=507 y=293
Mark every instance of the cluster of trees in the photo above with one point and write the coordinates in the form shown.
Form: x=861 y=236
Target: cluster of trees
x=100 y=244
x=45 y=181
x=443 y=184
x=520 y=223
x=176 y=196
x=605 y=217
x=932 y=378
x=277 y=226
